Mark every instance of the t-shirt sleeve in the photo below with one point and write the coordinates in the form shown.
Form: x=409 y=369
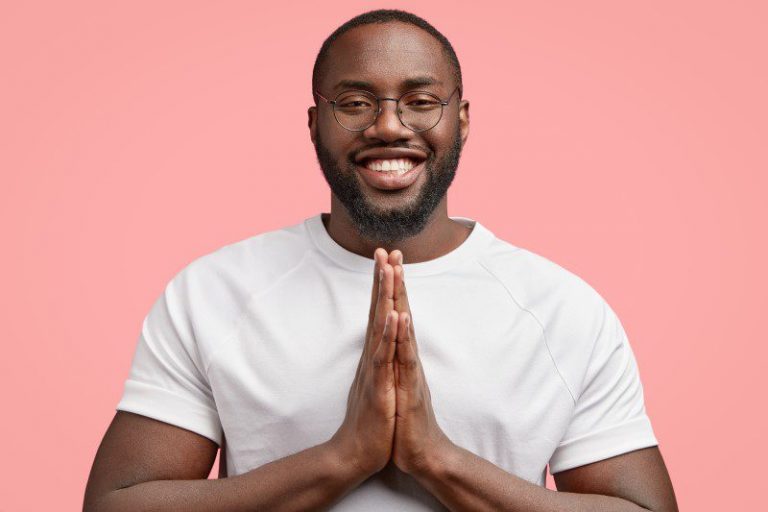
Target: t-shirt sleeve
x=167 y=380
x=609 y=418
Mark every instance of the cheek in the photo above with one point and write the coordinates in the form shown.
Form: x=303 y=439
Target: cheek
x=326 y=122
x=439 y=142
x=335 y=143
x=441 y=136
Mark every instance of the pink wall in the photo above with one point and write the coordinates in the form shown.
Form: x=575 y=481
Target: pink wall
x=628 y=144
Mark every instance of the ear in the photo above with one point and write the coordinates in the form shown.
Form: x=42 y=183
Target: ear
x=312 y=122
x=464 y=121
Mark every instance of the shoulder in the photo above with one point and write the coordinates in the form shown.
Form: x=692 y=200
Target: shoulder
x=550 y=291
x=269 y=252
x=214 y=289
x=569 y=311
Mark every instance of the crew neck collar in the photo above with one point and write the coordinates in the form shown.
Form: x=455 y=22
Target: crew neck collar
x=472 y=246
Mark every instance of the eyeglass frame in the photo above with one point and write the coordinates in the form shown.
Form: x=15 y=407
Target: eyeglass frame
x=443 y=103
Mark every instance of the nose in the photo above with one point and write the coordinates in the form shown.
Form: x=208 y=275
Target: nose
x=387 y=125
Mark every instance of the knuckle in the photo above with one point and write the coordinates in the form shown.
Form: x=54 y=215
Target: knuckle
x=418 y=406
x=379 y=362
x=376 y=334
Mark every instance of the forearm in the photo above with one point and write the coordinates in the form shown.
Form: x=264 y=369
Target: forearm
x=312 y=479
x=463 y=481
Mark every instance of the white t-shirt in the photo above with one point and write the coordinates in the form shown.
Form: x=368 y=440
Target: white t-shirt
x=259 y=341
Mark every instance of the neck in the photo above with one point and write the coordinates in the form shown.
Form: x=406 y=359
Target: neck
x=440 y=236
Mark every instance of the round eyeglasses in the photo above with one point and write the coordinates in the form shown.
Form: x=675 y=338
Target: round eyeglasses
x=417 y=110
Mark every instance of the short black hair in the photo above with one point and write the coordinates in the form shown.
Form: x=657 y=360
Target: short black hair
x=384 y=16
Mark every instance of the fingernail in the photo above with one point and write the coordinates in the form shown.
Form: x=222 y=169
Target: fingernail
x=381 y=274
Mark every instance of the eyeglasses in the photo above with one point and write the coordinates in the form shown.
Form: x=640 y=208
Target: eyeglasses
x=417 y=110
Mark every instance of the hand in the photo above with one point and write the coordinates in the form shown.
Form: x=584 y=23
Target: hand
x=365 y=437
x=419 y=440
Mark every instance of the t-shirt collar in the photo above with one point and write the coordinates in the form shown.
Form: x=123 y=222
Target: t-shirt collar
x=479 y=238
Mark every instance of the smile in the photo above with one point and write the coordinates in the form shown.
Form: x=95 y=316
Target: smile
x=397 y=166
x=390 y=174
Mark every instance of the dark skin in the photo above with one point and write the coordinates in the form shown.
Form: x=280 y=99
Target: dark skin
x=143 y=463
x=385 y=60
x=384 y=56
x=461 y=480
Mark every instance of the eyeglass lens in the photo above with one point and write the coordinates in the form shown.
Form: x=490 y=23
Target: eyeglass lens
x=357 y=110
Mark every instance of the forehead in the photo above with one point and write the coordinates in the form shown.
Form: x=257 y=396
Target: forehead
x=385 y=54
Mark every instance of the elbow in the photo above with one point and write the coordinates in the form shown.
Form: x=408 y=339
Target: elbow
x=104 y=502
x=667 y=506
x=93 y=504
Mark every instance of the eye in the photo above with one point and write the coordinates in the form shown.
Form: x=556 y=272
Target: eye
x=355 y=103
x=421 y=102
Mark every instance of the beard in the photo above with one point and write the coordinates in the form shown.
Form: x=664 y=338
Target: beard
x=389 y=226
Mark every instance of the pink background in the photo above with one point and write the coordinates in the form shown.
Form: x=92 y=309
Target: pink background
x=625 y=142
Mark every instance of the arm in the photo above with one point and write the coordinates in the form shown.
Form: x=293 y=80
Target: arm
x=461 y=480
x=145 y=464
x=635 y=481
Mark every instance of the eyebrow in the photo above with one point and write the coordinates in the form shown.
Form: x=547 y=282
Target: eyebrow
x=408 y=83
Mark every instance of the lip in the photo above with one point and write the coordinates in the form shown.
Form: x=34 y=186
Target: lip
x=386 y=181
x=390 y=153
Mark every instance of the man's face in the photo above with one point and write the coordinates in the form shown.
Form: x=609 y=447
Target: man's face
x=383 y=207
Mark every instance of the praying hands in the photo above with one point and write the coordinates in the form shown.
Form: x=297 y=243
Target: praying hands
x=389 y=410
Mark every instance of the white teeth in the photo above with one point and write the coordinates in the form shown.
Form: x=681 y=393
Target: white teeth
x=396 y=165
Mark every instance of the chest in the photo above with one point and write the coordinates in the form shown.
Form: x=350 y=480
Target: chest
x=281 y=380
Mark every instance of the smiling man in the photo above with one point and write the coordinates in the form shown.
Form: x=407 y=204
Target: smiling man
x=330 y=384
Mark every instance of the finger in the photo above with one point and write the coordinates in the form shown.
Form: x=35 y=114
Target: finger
x=402 y=305
x=379 y=257
x=406 y=359
x=401 y=297
x=397 y=371
x=389 y=338
x=383 y=359
x=395 y=257
x=407 y=306
x=384 y=302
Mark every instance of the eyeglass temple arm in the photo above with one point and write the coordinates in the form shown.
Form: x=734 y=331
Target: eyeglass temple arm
x=324 y=98
x=445 y=103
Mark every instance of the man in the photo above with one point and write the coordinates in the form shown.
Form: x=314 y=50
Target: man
x=453 y=392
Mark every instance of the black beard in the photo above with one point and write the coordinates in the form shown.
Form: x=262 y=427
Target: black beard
x=395 y=225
